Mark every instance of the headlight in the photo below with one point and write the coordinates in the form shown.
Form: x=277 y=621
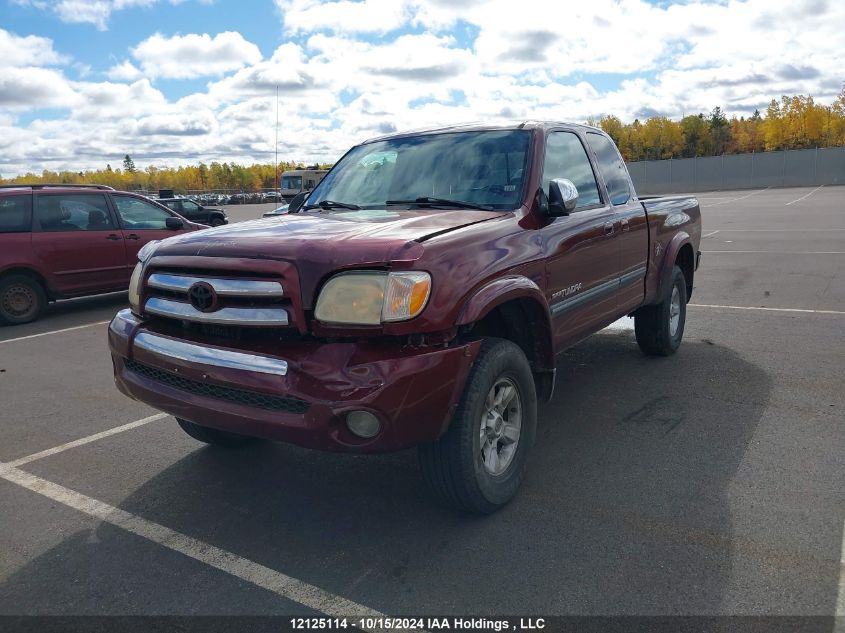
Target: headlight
x=147 y=250
x=371 y=298
x=144 y=254
x=135 y=288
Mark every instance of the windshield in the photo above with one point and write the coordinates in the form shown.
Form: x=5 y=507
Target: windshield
x=291 y=182
x=482 y=168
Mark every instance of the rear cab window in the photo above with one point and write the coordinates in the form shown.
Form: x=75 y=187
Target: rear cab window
x=16 y=213
x=611 y=167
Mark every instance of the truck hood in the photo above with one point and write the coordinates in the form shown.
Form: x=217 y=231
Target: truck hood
x=334 y=238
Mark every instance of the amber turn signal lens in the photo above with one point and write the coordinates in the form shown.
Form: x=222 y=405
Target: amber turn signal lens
x=406 y=295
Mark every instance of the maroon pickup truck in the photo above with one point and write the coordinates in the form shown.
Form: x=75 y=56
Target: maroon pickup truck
x=418 y=297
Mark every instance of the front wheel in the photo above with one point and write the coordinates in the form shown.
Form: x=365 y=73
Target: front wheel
x=215 y=437
x=216 y=222
x=660 y=328
x=479 y=463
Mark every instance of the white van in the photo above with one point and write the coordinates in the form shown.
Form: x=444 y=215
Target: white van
x=298 y=180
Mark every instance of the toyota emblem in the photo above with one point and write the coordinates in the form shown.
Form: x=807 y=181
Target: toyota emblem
x=203 y=297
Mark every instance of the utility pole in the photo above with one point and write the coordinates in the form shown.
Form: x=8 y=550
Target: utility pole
x=276 y=181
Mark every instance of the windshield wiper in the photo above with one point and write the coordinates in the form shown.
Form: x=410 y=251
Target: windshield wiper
x=442 y=202
x=331 y=204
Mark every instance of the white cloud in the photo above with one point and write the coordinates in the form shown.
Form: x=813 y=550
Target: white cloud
x=34 y=88
x=347 y=71
x=193 y=55
x=124 y=71
x=30 y=50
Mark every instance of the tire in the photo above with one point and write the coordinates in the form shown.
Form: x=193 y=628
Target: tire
x=660 y=328
x=460 y=467
x=22 y=299
x=215 y=437
x=216 y=222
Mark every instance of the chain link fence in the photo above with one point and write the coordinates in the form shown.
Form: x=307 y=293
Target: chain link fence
x=790 y=168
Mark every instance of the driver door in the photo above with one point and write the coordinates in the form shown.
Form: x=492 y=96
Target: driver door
x=582 y=248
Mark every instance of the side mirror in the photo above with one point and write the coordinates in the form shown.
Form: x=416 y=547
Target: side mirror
x=563 y=196
x=174 y=224
x=297 y=202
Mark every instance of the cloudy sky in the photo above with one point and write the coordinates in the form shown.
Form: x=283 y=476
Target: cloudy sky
x=83 y=82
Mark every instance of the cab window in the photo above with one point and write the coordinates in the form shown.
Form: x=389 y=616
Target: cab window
x=611 y=167
x=567 y=158
x=139 y=215
x=73 y=212
x=16 y=214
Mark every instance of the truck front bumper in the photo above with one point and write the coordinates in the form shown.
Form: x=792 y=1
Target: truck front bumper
x=300 y=394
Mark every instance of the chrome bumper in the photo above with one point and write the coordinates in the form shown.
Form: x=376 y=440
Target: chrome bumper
x=167 y=348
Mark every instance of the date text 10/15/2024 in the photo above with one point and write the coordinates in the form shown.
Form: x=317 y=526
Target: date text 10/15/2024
x=416 y=624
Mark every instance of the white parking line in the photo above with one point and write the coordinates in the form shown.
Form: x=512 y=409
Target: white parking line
x=840 y=596
x=85 y=440
x=709 y=235
x=783 y=252
x=67 y=329
x=778 y=230
x=282 y=585
x=702 y=305
x=729 y=200
x=805 y=196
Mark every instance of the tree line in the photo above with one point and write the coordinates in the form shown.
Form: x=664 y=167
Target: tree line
x=214 y=176
x=796 y=122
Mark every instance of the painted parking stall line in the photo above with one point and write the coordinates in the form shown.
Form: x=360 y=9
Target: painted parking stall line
x=778 y=252
x=254 y=573
x=804 y=197
x=729 y=200
x=67 y=329
x=800 y=310
x=86 y=440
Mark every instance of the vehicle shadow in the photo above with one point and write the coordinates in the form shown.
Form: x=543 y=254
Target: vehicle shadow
x=625 y=509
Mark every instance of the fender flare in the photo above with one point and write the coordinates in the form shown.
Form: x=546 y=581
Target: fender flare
x=503 y=290
x=672 y=249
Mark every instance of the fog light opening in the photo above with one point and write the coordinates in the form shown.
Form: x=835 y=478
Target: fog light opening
x=363 y=424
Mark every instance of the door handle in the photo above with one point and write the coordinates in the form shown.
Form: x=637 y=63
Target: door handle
x=113 y=237
x=133 y=236
x=608 y=228
x=625 y=226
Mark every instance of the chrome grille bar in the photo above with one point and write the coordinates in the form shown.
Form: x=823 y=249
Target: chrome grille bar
x=165 y=348
x=254 y=316
x=223 y=287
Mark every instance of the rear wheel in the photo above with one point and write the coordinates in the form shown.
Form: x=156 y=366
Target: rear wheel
x=22 y=299
x=479 y=463
x=216 y=437
x=660 y=328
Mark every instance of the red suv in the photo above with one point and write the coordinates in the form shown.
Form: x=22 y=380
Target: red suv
x=60 y=241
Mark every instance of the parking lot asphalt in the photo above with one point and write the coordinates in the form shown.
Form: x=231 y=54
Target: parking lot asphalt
x=709 y=482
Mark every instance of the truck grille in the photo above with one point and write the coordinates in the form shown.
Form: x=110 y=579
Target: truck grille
x=223 y=301
x=284 y=404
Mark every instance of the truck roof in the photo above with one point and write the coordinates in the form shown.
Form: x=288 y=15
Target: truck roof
x=503 y=124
